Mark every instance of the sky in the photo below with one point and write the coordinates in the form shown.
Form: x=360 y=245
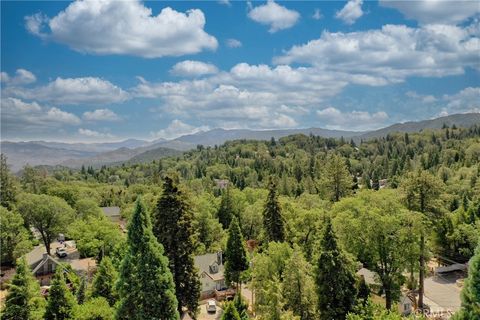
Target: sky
x=111 y=70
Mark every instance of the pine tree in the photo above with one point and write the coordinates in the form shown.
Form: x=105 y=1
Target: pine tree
x=272 y=216
x=173 y=228
x=7 y=189
x=338 y=181
x=235 y=254
x=241 y=306
x=82 y=291
x=61 y=302
x=23 y=301
x=231 y=313
x=335 y=280
x=225 y=212
x=470 y=309
x=104 y=281
x=146 y=288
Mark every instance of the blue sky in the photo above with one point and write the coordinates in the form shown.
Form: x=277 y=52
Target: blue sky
x=98 y=71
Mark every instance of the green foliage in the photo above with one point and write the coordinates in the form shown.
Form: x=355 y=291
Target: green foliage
x=14 y=238
x=49 y=215
x=337 y=180
x=173 y=227
x=95 y=309
x=23 y=301
x=335 y=279
x=82 y=291
x=273 y=222
x=235 y=254
x=471 y=291
x=86 y=208
x=61 y=302
x=372 y=311
x=230 y=312
x=242 y=307
x=146 y=288
x=7 y=187
x=104 y=281
x=225 y=212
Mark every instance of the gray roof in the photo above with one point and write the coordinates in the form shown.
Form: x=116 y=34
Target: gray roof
x=368 y=275
x=204 y=262
x=111 y=211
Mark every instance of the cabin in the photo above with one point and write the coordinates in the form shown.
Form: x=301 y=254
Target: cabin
x=112 y=213
x=211 y=273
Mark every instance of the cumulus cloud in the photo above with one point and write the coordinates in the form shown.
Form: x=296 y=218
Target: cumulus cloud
x=354 y=120
x=21 y=77
x=274 y=15
x=94 y=134
x=193 y=68
x=424 y=98
x=350 y=12
x=391 y=54
x=177 y=128
x=317 y=14
x=435 y=11
x=233 y=43
x=73 y=91
x=101 y=115
x=124 y=28
x=466 y=100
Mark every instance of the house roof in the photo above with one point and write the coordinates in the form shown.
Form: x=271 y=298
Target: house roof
x=368 y=275
x=204 y=262
x=83 y=265
x=111 y=211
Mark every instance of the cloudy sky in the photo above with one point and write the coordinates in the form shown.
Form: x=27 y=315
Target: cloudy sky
x=109 y=70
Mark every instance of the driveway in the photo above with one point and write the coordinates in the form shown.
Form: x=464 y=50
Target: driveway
x=442 y=294
x=204 y=315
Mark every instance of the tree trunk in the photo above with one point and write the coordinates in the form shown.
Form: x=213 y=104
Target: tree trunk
x=388 y=298
x=46 y=242
x=422 y=272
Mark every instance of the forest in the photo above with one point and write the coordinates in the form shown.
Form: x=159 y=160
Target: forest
x=295 y=218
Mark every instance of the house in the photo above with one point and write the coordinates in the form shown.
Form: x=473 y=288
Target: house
x=211 y=273
x=112 y=213
x=221 y=183
x=405 y=305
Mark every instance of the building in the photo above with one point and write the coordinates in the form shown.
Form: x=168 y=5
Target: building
x=211 y=273
x=112 y=213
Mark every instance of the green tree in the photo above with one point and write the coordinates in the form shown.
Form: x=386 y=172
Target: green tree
x=337 y=180
x=235 y=254
x=273 y=222
x=470 y=309
x=49 y=215
x=23 y=300
x=104 y=281
x=225 y=212
x=173 y=227
x=7 y=188
x=146 y=288
x=61 y=302
x=363 y=291
x=95 y=309
x=335 y=279
x=14 y=238
x=422 y=192
x=82 y=291
x=230 y=312
x=86 y=208
x=299 y=287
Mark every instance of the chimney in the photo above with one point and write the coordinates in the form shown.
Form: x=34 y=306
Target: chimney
x=219 y=258
x=45 y=256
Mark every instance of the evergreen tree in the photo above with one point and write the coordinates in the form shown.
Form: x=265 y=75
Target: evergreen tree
x=7 y=189
x=173 y=227
x=82 y=291
x=225 y=212
x=241 y=306
x=146 y=288
x=470 y=309
x=272 y=216
x=235 y=254
x=23 y=301
x=335 y=280
x=363 y=291
x=231 y=313
x=104 y=281
x=61 y=302
x=337 y=181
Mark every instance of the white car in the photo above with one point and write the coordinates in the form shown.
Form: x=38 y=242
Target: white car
x=61 y=252
x=211 y=306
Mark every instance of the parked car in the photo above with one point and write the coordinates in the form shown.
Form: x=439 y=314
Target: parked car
x=61 y=252
x=211 y=306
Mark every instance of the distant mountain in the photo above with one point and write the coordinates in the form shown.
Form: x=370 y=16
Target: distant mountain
x=460 y=120
x=150 y=155
x=95 y=147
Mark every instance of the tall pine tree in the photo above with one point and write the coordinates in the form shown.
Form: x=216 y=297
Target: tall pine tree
x=173 y=228
x=336 y=286
x=61 y=302
x=225 y=211
x=145 y=286
x=23 y=301
x=104 y=281
x=235 y=254
x=230 y=313
x=272 y=216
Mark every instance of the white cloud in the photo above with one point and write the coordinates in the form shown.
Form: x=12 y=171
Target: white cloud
x=351 y=12
x=56 y=114
x=435 y=11
x=21 y=77
x=317 y=14
x=391 y=54
x=233 y=43
x=94 y=134
x=126 y=28
x=467 y=100
x=101 y=115
x=274 y=15
x=424 y=98
x=176 y=129
x=355 y=120
x=225 y=2
x=193 y=68
x=73 y=91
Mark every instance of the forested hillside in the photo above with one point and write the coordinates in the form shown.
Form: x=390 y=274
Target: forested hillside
x=307 y=204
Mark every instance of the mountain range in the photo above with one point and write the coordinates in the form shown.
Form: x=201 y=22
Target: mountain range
x=75 y=155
